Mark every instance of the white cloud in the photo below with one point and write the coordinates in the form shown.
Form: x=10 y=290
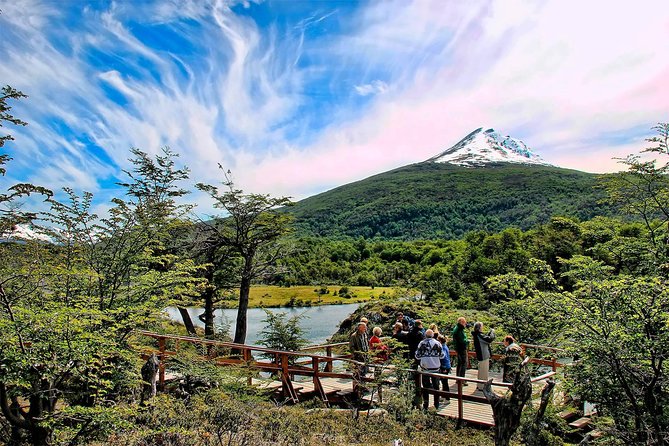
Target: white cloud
x=374 y=87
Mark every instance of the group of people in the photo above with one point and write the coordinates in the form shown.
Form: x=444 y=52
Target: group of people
x=427 y=350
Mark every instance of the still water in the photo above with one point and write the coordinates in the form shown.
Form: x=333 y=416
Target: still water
x=319 y=323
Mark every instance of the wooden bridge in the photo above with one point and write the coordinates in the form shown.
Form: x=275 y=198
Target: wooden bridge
x=305 y=374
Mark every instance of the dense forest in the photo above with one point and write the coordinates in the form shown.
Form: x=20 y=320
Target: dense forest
x=457 y=271
x=70 y=307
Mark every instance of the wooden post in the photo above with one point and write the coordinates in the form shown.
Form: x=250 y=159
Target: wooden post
x=161 y=365
x=418 y=397
x=317 y=381
x=328 y=353
x=248 y=358
x=461 y=408
x=288 y=389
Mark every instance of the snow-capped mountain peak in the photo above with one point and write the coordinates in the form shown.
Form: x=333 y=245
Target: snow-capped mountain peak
x=23 y=233
x=482 y=147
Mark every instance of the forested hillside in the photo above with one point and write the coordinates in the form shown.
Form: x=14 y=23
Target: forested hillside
x=457 y=271
x=435 y=200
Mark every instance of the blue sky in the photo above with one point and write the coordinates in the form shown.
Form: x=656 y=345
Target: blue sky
x=297 y=97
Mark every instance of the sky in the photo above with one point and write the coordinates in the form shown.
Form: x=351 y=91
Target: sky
x=297 y=97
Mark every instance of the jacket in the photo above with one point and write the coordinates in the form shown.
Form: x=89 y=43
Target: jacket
x=430 y=353
x=414 y=337
x=358 y=344
x=460 y=338
x=482 y=344
x=446 y=360
x=378 y=348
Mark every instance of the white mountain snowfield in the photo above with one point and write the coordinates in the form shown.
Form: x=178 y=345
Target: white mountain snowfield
x=24 y=232
x=483 y=147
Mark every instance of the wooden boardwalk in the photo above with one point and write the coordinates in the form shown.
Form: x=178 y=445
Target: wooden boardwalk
x=303 y=375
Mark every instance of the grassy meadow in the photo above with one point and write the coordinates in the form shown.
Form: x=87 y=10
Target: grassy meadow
x=298 y=296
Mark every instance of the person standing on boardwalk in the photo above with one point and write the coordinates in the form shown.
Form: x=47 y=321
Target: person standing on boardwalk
x=430 y=354
x=400 y=335
x=376 y=346
x=461 y=342
x=415 y=336
x=445 y=367
x=512 y=359
x=404 y=319
x=358 y=345
x=483 y=351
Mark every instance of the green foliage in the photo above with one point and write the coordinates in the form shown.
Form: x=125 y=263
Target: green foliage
x=5 y=116
x=10 y=212
x=217 y=418
x=614 y=306
x=554 y=428
x=282 y=332
x=619 y=327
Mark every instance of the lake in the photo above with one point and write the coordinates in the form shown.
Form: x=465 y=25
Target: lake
x=319 y=322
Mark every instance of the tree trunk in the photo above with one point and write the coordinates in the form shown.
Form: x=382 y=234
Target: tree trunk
x=533 y=435
x=508 y=409
x=15 y=410
x=240 y=327
x=26 y=421
x=209 y=331
x=188 y=322
x=39 y=435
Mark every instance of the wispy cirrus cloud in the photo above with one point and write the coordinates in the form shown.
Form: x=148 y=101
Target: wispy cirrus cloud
x=374 y=87
x=297 y=97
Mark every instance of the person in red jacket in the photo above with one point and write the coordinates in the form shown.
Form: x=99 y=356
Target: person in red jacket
x=377 y=348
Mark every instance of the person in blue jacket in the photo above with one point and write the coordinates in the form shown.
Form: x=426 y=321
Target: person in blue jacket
x=445 y=367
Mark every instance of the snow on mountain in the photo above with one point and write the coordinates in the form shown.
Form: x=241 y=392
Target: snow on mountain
x=24 y=232
x=482 y=147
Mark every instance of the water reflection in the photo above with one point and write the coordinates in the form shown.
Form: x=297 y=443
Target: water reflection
x=319 y=322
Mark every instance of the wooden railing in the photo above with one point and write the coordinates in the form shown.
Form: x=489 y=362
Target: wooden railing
x=460 y=382
x=289 y=364
x=283 y=362
x=551 y=352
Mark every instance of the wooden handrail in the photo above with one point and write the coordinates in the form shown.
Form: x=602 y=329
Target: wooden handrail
x=544 y=376
x=233 y=345
x=322 y=346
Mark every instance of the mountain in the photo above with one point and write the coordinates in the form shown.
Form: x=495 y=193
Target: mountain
x=483 y=147
x=24 y=232
x=484 y=182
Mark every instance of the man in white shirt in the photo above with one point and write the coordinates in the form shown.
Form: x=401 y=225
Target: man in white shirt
x=430 y=353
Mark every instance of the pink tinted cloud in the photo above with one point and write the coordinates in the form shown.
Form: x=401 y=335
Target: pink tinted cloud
x=563 y=73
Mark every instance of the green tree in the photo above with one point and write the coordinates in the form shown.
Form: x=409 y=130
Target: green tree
x=5 y=116
x=619 y=331
x=616 y=318
x=282 y=332
x=68 y=307
x=10 y=213
x=643 y=191
x=251 y=230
